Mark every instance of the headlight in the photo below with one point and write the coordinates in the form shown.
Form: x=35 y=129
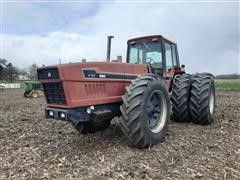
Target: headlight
x=50 y=113
x=89 y=110
x=62 y=115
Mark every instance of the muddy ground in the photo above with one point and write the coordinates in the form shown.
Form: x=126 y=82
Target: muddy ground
x=32 y=147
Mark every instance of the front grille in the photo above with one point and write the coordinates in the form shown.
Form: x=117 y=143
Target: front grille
x=54 y=93
x=48 y=73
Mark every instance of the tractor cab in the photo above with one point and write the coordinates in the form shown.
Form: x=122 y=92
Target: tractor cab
x=158 y=52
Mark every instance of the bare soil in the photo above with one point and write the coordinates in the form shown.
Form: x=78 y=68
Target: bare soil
x=32 y=147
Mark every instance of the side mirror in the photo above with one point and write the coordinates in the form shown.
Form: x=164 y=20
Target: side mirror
x=183 y=66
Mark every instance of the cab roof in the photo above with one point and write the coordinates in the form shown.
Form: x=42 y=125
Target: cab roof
x=150 y=37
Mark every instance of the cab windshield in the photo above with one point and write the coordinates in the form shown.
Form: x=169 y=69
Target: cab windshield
x=146 y=52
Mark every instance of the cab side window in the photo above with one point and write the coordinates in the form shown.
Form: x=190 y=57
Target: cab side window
x=136 y=55
x=174 y=53
x=168 y=56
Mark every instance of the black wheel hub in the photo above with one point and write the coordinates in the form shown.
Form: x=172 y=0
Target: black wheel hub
x=153 y=110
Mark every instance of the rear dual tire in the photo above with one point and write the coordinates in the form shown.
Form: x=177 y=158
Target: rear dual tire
x=180 y=97
x=193 y=98
x=202 y=104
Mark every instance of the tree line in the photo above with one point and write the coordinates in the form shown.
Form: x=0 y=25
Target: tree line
x=228 y=76
x=10 y=73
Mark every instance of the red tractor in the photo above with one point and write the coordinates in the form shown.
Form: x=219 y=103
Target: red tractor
x=144 y=92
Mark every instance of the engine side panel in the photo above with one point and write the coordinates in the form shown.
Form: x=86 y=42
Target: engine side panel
x=95 y=83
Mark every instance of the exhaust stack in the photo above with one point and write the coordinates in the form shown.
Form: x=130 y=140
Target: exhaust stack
x=109 y=48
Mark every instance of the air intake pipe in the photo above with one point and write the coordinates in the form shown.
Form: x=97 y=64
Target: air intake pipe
x=109 y=39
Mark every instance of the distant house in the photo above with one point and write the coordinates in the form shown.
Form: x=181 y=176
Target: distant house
x=23 y=77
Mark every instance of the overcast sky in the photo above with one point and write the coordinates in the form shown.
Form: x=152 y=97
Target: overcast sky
x=207 y=33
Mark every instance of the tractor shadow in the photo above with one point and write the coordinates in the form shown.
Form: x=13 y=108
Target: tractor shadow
x=110 y=138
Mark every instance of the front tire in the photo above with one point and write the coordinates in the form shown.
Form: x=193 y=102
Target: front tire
x=96 y=123
x=90 y=128
x=145 y=111
x=202 y=103
x=26 y=94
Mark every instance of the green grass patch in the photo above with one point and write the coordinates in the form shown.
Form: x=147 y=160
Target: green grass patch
x=228 y=85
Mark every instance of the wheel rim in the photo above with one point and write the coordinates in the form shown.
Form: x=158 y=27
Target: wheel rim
x=211 y=103
x=156 y=111
x=34 y=95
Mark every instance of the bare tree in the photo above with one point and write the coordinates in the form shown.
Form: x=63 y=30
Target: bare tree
x=33 y=71
x=11 y=72
x=3 y=63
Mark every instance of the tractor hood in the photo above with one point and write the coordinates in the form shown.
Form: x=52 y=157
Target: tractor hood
x=88 y=71
x=87 y=83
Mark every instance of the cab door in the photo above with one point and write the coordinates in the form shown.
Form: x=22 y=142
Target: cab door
x=170 y=59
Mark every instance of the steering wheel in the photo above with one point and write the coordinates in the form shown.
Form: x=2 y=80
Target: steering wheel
x=150 y=60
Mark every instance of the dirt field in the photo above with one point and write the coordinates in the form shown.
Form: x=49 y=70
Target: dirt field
x=32 y=147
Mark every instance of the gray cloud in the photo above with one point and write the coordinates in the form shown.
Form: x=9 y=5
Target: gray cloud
x=207 y=34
